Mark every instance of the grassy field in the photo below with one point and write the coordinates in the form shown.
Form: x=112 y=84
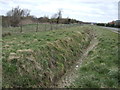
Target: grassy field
x=30 y=28
x=100 y=69
x=40 y=59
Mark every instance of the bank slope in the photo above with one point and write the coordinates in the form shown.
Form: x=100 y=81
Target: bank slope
x=40 y=59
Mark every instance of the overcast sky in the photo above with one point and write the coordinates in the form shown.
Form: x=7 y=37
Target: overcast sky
x=83 y=10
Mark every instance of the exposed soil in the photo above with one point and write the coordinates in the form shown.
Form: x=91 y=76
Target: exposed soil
x=72 y=73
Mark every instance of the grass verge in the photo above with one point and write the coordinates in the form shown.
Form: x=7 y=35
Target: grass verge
x=101 y=68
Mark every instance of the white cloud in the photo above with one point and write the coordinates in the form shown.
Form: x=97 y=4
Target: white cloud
x=84 y=10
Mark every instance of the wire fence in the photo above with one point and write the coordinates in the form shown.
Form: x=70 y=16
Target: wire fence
x=35 y=28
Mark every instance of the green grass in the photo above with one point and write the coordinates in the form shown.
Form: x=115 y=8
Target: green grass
x=100 y=69
x=39 y=59
x=31 y=28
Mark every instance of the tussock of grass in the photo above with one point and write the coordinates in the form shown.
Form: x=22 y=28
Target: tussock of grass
x=42 y=58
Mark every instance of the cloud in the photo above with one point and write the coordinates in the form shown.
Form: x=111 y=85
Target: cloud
x=84 y=10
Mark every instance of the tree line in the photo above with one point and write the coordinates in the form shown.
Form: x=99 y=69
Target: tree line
x=110 y=24
x=18 y=17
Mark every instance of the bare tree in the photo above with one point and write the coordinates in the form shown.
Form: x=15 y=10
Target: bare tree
x=16 y=15
x=54 y=16
x=59 y=15
x=25 y=13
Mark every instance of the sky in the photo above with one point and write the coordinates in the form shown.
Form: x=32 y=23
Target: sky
x=83 y=10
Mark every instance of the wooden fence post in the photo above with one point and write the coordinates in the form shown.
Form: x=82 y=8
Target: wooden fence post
x=37 y=27
x=51 y=26
x=21 y=28
x=45 y=27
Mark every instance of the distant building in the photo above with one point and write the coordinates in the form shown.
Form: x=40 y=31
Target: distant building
x=117 y=23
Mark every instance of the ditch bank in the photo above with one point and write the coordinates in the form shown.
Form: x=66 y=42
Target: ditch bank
x=46 y=65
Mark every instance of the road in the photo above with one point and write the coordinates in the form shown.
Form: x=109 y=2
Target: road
x=116 y=30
